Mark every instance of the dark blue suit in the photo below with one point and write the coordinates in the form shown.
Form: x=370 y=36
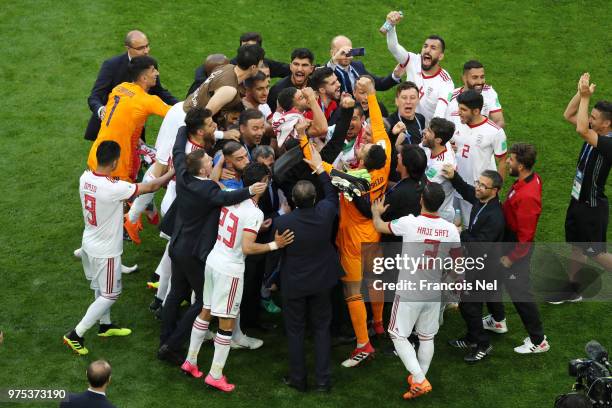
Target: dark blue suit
x=358 y=69
x=86 y=399
x=113 y=72
x=310 y=268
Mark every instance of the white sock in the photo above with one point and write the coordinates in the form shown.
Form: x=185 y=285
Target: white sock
x=406 y=353
x=237 y=334
x=222 y=349
x=164 y=270
x=105 y=319
x=141 y=202
x=198 y=331
x=426 y=352
x=94 y=313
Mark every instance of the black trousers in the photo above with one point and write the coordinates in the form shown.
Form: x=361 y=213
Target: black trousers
x=187 y=276
x=517 y=283
x=254 y=268
x=295 y=310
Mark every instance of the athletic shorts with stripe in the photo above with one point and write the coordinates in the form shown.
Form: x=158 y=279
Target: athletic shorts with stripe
x=424 y=317
x=104 y=274
x=222 y=293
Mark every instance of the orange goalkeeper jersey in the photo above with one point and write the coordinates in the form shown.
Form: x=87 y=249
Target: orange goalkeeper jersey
x=354 y=227
x=127 y=110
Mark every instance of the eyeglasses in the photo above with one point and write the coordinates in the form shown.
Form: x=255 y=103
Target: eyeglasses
x=478 y=184
x=142 y=47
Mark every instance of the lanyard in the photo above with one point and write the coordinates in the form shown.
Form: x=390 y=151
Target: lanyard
x=408 y=135
x=477 y=215
x=586 y=151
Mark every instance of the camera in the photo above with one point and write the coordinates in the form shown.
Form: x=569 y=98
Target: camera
x=593 y=375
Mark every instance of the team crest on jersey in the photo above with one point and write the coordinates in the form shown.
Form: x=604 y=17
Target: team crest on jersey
x=504 y=145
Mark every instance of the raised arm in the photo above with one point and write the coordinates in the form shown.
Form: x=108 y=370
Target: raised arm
x=585 y=89
x=178 y=152
x=400 y=54
x=333 y=147
x=572 y=107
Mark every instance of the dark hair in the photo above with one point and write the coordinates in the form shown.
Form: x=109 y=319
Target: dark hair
x=193 y=161
x=437 y=37
x=254 y=172
x=472 y=64
x=285 y=97
x=442 y=128
x=359 y=108
x=138 y=65
x=98 y=373
x=375 y=158
x=107 y=152
x=249 y=114
x=249 y=55
x=250 y=82
x=304 y=194
x=414 y=160
x=251 y=36
x=195 y=117
x=525 y=154
x=405 y=86
x=605 y=107
x=231 y=147
x=319 y=76
x=573 y=400
x=470 y=98
x=433 y=196
x=302 y=53
x=495 y=177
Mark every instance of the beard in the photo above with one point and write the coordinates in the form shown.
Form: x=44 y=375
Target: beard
x=513 y=172
x=425 y=66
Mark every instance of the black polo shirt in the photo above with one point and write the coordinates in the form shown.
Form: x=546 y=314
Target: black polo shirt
x=595 y=164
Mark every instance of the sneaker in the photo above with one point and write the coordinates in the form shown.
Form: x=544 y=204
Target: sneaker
x=191 y=369
x=528 y=347
x=221 y=384
x=129 y=269
x=462 y=343
x=418 y=389
x=153 y=285
x=246 y=342
x=110 y=330
x=269 y=306
x=379 y=329
x=133 y=229
x=359 y=355
x=349 y=189
x=152 y=216
x=478 y=354
x=76 y=343
x=77 y=252
x=489 y=323
x=568 y=297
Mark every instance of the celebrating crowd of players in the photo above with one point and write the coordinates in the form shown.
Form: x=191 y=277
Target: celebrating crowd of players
x=235 y=156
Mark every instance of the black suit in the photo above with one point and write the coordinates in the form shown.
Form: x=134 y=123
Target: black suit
x=198 y=205
x=277 y=70
x=486 y=227
x=113 y=72
x=357 y=69
x=310 y=268
x=87 y=399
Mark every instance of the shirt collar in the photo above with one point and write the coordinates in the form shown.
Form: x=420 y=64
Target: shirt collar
x=96 y=392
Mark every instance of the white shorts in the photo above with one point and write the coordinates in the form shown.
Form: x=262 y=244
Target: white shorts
x=222 y=293
x=421 y=316
x=174 y=119
x=104 y=274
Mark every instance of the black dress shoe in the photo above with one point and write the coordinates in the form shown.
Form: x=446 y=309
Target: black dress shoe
x=300 y=387
x=171 y=356
x=324 y=388
x=342 y=340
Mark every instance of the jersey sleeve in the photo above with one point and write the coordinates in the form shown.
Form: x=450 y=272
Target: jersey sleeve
x=254 y=221
x=122 y=190
x=493 y=101
x=402 y=226
x=604 y=145
x=500 y=145
x=157 y=106
x=445 y=93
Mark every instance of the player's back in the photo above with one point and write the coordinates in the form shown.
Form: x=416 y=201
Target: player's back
x=102 y=204
x=434 y=172
x=222 y=76
x=227 y=256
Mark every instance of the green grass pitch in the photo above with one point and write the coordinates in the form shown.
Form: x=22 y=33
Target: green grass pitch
x=533 y=51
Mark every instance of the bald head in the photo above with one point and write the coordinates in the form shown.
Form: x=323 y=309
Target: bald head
x=340 y=41
x=137 y=43
x=98 y=374
x=340 y=45
x=213 y=61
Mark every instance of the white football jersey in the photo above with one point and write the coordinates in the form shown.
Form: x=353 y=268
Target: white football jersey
x=433 y=89
x=490 y=103
x=227 y=256
x=439 y=239
x=102 y=202
x=174 y=119
x=476 y=145
x=434 y=174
